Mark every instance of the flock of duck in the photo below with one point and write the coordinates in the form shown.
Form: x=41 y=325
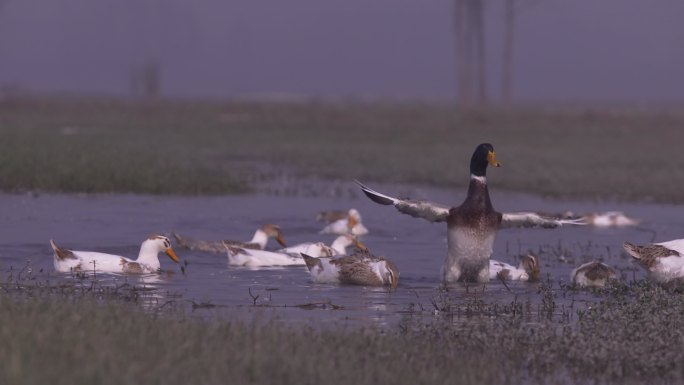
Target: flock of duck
x=471 y=231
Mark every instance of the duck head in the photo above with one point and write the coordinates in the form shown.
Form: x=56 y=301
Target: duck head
x=153 y=245
x=346 y=240
x=353 y=219
x=273 y=231
x=391 y=274
x=482 y=157
x=530 y=263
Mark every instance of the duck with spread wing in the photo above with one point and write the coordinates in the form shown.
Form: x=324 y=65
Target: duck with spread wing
x=472 y=226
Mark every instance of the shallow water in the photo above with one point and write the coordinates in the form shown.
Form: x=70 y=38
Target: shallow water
x=118 y=223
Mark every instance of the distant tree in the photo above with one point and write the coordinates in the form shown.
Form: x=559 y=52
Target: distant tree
x=507 y=62
x=511 y=10
x=462 y=53
x=471 y=63
x=145 y=80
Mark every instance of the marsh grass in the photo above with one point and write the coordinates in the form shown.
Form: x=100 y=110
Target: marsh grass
x=215 y=148
x=80 y=331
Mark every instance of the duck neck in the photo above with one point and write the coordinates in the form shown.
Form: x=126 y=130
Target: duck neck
x=260 y=238
x=478 y=193
x=340 y=244
x=149 y=255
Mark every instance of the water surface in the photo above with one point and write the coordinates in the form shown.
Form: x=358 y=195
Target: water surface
x=119 y=223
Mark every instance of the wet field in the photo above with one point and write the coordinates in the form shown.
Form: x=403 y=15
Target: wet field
x=119 y=223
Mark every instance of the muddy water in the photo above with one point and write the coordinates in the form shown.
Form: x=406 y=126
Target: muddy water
x=118 y=223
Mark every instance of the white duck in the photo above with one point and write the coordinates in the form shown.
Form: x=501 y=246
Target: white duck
x=527 y=270
x=351 y=224
x=339 y=246
x=238 y=256
x=610 y=219
x=663 y=261
x=361 y=269
x=592 y=274
x=66 y=260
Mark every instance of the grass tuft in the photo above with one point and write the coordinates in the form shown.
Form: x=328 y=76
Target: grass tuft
x=84 y=332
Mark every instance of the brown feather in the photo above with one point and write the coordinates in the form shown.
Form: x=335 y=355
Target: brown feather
x=648 y=255
x=131 y=267
x=62 y=253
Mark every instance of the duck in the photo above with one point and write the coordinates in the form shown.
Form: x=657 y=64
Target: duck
x=339 y=245
x=610 y=219
x=258 y=241
x=347 y=224
x=472 y=226
x=528 y=269
x=329 y=216
x=593 y=274
x=361 y=269
x=664 y=262
x=238 y=256
x=66 y=260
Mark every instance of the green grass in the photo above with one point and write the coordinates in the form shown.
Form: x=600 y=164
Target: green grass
x=216 y=148
x=84 y=333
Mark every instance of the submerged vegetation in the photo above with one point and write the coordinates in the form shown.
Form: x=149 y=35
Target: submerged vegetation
x=57 y=333
x=217 y=148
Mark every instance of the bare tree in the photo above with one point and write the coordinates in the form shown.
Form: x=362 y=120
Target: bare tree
x=477 y=20
x=470 y=52
x=512 y=8
x=462 y=55
x=507 y=69
x=145 y=79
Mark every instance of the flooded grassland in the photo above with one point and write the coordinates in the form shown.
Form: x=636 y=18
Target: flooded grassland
x=206 y=322
x=210 y=322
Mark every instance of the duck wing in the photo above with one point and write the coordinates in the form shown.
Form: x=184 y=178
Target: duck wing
x=531 y=219
x=429 y=211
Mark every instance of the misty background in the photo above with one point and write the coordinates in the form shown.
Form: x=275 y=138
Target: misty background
x=628 y=51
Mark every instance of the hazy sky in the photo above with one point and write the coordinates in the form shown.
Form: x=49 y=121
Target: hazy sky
x=567 y=50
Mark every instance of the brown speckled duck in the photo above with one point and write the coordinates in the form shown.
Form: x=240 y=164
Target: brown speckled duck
x=663 y=261
x=361 y=268
x=593 y=274
x=258 y=242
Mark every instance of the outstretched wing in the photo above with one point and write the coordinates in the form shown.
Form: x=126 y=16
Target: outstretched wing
x=432 y=212
x=528 y=219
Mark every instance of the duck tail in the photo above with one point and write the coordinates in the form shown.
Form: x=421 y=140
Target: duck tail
x=232 y=249
x=61 y=253
x=633 y=250
x=310 y=261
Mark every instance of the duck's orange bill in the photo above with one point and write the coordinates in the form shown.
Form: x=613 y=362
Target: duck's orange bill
x=491 y=158
x=351 y=222
x=360 y=245
x=172 y=255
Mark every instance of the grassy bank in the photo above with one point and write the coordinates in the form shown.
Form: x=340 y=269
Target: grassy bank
x=217 y=148
x=86 y=337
